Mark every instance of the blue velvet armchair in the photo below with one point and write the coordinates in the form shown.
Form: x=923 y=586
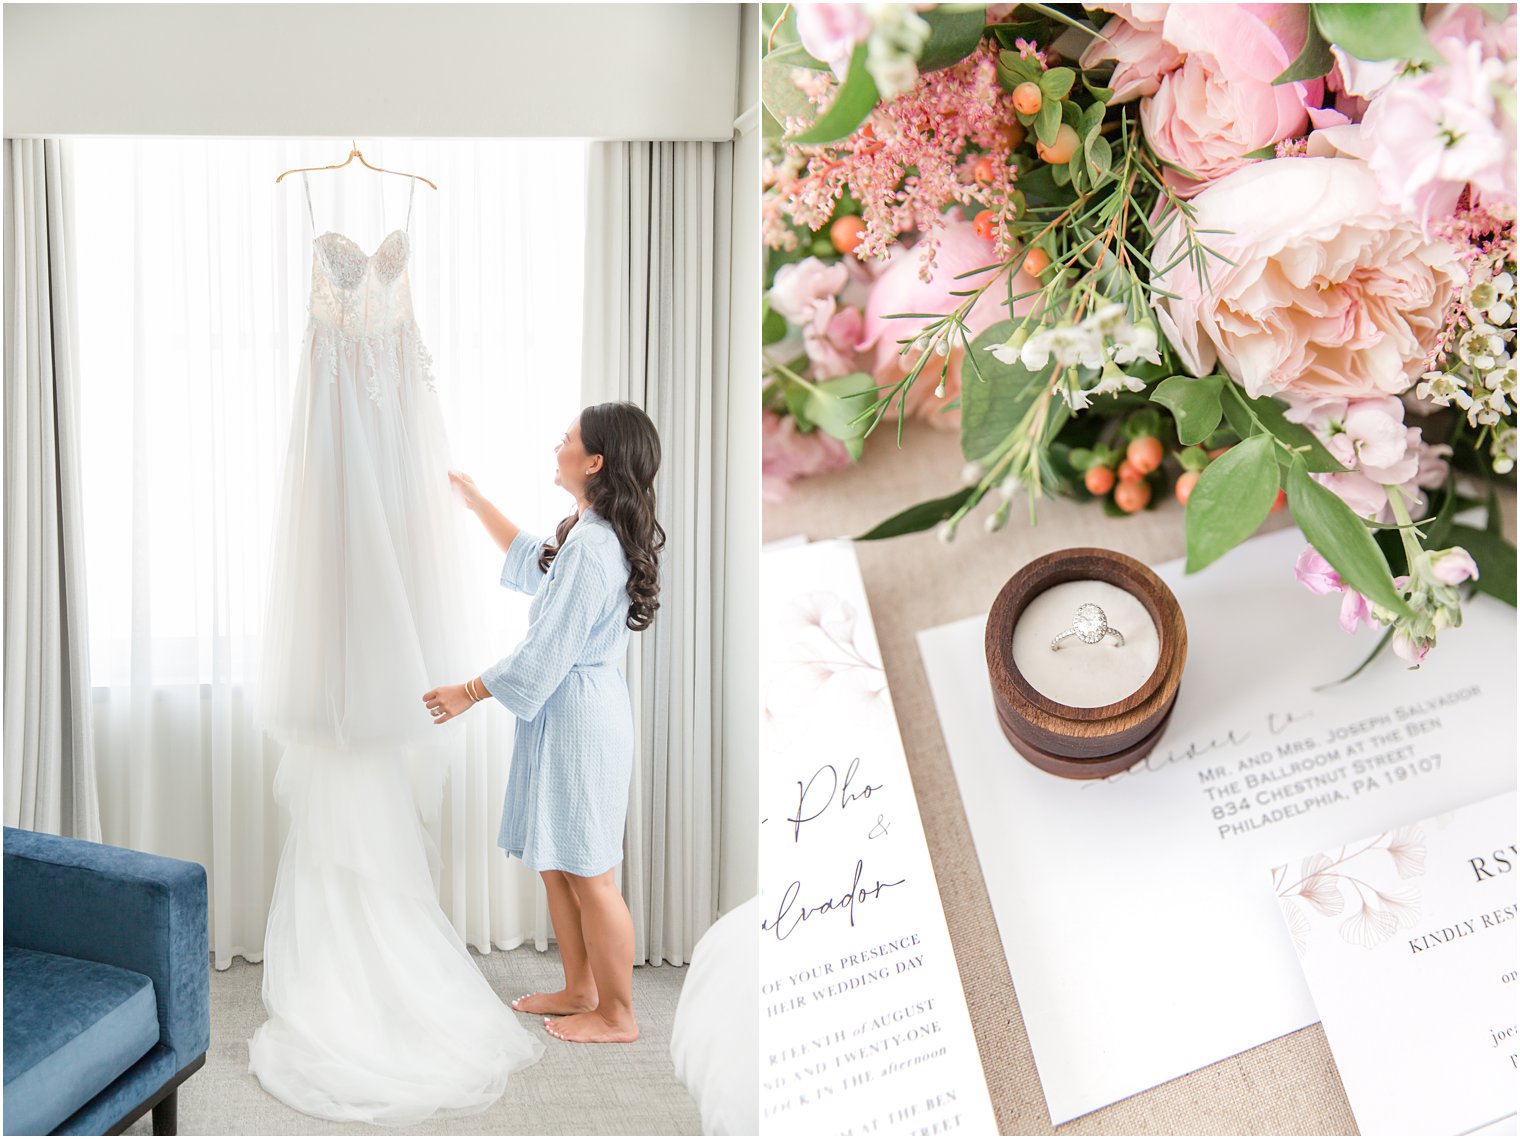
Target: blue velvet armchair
x=107 y=985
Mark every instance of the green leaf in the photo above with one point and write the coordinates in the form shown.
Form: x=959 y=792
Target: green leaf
x=1194 y=401
x=1100 y=157
x=920 y=517
x=795 y=55
x=773 y=326
x=953 y=35
x=1495 y=558
x=1231 y=499
x=1056 y=82
x=993 y=406
x=1047 y=124
x=780 y=95
x=838 y=404
x=856 y=99
x=1375 y=31
x=1018 y=69
x=1090 y=119
x=1341 y=537
x=797 y=403
x=1312 y=62
x=1271 y=413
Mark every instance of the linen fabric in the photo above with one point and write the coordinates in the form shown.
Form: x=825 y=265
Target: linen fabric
x=50 y=782
x=572 y=757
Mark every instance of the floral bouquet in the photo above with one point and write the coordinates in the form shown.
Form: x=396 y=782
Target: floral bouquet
x=1251 y=255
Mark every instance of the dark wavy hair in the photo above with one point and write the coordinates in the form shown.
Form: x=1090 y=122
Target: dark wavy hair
x=622 y=492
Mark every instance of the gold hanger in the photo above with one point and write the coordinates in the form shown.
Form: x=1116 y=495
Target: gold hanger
x=353 y=154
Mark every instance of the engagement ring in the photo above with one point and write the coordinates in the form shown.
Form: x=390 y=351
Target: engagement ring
x=1090 y=625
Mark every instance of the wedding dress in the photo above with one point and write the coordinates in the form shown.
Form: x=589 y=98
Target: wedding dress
x=377 y=1012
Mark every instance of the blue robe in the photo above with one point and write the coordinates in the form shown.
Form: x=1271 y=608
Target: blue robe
x=572 y=756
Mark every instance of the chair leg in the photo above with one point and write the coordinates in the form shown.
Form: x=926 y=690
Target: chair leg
x=166 y=1115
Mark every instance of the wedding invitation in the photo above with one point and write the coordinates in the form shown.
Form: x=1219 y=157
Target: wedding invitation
x=1408 y=943
x=1140 y=939
x=863 y=1027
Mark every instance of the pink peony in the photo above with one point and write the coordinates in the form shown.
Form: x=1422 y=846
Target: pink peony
x=900 y=289
x=1133 y=40
x=1331 y=294
x=787 y=453
x=1205 y=75
x=829 y=32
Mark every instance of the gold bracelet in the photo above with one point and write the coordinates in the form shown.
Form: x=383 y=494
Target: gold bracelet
x=471 y=691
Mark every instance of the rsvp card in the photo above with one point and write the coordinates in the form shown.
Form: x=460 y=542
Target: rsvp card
x=1408 y=942
x=863 y=1027
x=1139 y=937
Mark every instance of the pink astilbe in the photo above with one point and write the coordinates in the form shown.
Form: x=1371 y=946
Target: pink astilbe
x=933 y=129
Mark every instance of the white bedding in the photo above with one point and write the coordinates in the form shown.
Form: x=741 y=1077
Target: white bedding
x=715 y=1042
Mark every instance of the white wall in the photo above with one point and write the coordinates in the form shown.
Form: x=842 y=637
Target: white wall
x=604 y=71
x=739 y=878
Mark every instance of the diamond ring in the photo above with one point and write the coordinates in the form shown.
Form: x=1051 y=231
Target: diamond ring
x=1089 y=625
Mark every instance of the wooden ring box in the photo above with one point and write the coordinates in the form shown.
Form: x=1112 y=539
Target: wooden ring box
x=1085 y=743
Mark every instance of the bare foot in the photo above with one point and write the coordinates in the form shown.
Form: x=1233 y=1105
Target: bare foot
x=562 y=1003
x=593 y=1028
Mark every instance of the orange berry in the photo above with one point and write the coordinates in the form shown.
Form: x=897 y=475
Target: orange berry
x=1217 y=451
x=983 y=224
x=1037 y=262
x=846 y=233
x=1185 y=483
x=1009 y=134
x=983 y=170
x=1278 y=503
x=1145 y=453
x=1028 y=98
x=1062 y=149
x=1128 y=473
x=1099 y=480
x=1132 y=496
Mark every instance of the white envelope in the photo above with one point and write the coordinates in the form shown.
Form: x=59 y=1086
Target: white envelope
x=1140 y=939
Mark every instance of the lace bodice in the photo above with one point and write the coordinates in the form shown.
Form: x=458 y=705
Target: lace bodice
x=359 y=293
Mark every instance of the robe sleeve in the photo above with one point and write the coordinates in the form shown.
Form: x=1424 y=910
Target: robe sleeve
x=573 y=599
x=520 y=569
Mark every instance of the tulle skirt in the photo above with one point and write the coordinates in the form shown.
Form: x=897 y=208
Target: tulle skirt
x=368 y=602
x=377 y=1012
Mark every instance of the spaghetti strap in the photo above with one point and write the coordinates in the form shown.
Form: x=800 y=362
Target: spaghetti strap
x=309 y=213
x=409 y=197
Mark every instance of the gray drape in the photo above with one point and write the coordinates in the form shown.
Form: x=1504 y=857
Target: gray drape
x=657 y=323
x=49 y=750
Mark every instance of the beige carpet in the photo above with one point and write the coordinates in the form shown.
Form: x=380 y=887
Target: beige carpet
x=582 y=1089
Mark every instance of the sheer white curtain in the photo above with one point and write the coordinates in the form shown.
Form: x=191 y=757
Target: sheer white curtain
x=194 y=269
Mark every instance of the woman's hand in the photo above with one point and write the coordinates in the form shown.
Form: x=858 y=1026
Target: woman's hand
x=446 y=702
x=464 y=486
